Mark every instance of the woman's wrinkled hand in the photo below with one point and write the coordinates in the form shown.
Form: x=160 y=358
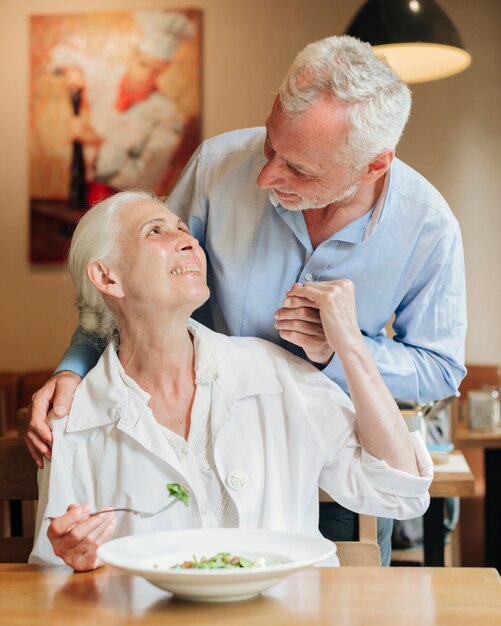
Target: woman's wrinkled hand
x=75 y=537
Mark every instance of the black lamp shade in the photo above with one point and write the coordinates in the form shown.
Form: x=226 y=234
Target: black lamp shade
x=417 y=38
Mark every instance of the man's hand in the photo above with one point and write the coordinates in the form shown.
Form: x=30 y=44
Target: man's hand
x=57 y=393
x=76 y=537
x=319 y=317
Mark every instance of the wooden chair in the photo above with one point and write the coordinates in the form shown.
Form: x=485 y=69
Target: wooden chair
x=22 y=421
x=9 y=399
x=29 y=382
x=362 y=553
x=18 y=483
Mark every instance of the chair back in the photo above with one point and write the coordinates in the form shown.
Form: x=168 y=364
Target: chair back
x=31 y=381
x=9 y=399
x=18 y=485
x=358 y=554
x=362 y=553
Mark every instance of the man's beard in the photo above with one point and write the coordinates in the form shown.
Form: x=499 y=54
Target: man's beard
x=310 y=203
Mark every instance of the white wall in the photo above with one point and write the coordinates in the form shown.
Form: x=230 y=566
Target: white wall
x=453 y=139
x=248 y=45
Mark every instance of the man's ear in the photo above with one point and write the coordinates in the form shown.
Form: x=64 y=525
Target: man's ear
x=105 y=279
x=378 y=166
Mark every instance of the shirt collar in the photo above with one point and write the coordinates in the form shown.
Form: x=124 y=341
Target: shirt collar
x=102 y=397
x=205 y=367
x=376 y=214
x=358 y=231
x=226 y=360
x=106 y=392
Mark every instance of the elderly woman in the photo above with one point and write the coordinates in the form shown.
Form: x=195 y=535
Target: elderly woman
x=251 y=430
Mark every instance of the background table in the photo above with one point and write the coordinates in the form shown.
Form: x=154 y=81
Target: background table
x=451 y=479
x=34 y=596
x=491 y=444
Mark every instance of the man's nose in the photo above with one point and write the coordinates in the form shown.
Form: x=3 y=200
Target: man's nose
x=270 y=175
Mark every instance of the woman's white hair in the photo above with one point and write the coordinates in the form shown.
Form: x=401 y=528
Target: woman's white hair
x=378 y=100
x=95 y=239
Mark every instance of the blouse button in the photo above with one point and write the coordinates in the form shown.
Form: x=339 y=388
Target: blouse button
x=237 y=480
x=116 y=413
x=308 y=276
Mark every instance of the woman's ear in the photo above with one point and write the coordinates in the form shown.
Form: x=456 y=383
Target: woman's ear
x=105 y=279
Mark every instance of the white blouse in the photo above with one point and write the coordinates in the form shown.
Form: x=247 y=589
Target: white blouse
x=278 y=430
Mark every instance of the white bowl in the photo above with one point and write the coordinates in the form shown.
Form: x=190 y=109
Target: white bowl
x=153 y=555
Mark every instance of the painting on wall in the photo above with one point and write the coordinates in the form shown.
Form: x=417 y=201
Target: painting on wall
x=115 y=104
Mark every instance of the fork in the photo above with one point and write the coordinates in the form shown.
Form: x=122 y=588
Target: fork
x=141 y=514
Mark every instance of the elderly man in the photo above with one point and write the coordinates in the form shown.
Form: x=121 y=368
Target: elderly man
x=251 y=429
x=331 y=202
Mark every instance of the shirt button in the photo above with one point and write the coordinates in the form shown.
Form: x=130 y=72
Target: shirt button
x=308 y=276
x=237 y=480
x=184 y=451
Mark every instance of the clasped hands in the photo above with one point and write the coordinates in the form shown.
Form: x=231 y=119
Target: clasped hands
x=319 y=317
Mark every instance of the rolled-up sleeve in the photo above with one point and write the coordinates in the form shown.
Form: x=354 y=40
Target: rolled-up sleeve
x=368 y=485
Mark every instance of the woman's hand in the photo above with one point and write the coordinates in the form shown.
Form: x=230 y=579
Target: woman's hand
x=75 y=537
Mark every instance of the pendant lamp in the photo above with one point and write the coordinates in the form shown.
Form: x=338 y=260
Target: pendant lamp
x=415 y=36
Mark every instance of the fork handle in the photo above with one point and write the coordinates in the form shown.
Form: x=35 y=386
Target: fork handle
x=51 y=519
x=113 y=511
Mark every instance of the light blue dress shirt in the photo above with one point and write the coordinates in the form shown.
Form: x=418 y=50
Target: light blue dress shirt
x=404 y=257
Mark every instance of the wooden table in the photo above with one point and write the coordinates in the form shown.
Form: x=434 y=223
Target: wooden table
x=34 y=596
x=451 y=479
x=490 y=441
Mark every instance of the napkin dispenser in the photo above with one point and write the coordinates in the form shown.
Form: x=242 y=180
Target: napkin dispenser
x=417 y=416
x=415 y=420
x=484 y=409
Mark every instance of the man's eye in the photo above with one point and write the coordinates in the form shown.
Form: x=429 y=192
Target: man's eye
x=268 y=148
x=297 y=172
x=156 y=230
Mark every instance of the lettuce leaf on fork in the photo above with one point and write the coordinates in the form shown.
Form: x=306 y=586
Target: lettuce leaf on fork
x=176 y=491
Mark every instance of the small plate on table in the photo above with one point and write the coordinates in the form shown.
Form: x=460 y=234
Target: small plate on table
x=439 y=452
x=153 y=556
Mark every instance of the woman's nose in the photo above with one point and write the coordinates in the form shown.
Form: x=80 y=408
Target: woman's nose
x=187 y=242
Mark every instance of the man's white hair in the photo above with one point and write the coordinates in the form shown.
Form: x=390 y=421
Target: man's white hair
x=378 y=100
x=95 y=239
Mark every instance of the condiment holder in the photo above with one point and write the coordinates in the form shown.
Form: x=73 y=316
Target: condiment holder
x=483 y=409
